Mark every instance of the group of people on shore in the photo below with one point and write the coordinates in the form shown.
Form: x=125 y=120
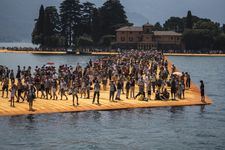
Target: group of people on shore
x=119 y=74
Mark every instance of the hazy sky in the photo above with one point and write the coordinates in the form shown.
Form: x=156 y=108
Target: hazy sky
x=17 y=16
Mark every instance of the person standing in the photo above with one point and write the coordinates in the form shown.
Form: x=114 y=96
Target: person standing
x=5 y=86
x=47 y=85
x=18 y=74
x=31 y=96
x=75 y=90
x=88 y=85
x=96 y=92
x=54 y=89
x=188 y=81
x=13 y=93
x=11 y=75
x=173 y=89
x=19 y=90
x=132 y=87
x=149 y=89
x=63 y=88
x=112 y=90
x=127 y=89
x=119 y=90
x=202 y=89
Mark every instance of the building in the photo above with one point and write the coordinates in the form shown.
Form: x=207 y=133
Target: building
x=146 y=38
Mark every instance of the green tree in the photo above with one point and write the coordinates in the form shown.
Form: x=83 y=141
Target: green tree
x=113 y=16
x=87 y=17
x=158 y=27
x=85 y=41
x=223 y=28
x=197 y=39
x=38 y=31
x=220 y=42
x=189 y=22
x=175 y=24
x=96 y=26
x=207 y=24
x=52 y=28
x=70 y=13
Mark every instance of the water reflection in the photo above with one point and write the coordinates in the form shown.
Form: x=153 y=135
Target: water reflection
x=202 y=108
x=30 y=118
x=175 y=109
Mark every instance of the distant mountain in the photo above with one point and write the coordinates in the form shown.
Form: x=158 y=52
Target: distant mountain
x=17 y=16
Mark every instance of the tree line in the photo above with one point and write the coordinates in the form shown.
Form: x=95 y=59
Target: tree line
x=197 y=33
x=83 y=24
x=78 y=24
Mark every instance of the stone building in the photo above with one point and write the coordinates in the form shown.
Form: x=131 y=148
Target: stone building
x=146 y=37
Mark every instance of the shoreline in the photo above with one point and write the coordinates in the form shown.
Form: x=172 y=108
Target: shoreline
x=194 y=55
x=104 y=53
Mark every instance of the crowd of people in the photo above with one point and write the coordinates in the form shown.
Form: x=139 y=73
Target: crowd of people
x=119 y=74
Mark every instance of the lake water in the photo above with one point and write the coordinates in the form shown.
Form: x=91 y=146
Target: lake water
x=13 y=59
x=18 y=44
x=171 y=128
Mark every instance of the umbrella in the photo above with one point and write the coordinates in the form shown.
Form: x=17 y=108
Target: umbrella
x=177 y=73
x=50 y=63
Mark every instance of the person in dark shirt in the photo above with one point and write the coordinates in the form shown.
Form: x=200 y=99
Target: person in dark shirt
x=173 y=89
x=127 y=89
x=202 y=89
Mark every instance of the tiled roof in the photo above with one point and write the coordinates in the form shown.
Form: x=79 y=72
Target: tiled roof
x=140 y=29
x=166 y=33
x=130 y=28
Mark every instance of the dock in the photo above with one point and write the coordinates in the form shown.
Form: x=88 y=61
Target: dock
x=42 y=106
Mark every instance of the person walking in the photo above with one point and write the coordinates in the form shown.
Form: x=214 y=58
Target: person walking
x=75 y=90
x=5 y=86
x=141 y=86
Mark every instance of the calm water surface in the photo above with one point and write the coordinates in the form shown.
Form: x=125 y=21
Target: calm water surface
x=169 y=128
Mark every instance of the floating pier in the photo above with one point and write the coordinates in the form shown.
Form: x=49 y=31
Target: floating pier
x=42 y=106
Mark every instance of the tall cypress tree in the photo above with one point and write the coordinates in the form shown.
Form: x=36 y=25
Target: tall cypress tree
x=189 y=21
x=70 y=20
x=96 y=26
x=38 y=31
x=51 y=27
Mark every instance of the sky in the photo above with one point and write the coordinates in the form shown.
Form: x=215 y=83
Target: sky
x=17 y=16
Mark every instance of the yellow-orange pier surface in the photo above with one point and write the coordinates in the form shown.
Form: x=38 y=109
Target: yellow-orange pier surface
x=42 y=106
